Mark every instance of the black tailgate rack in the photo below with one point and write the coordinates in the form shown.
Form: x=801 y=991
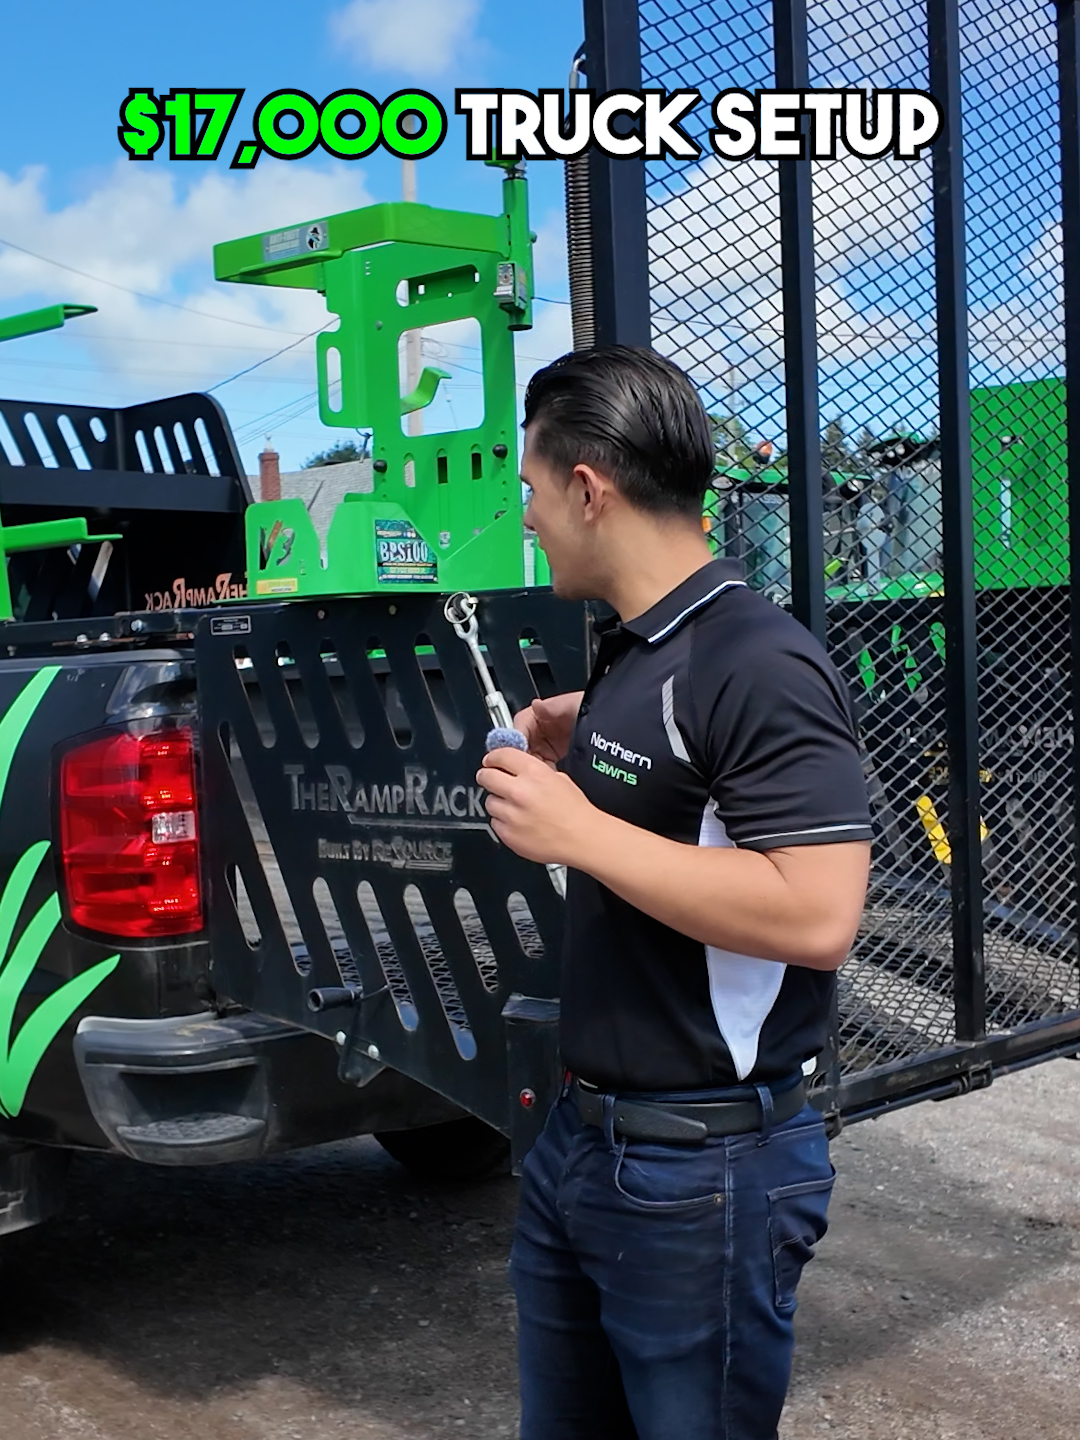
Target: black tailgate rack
x=356 y=888
x=357 y=891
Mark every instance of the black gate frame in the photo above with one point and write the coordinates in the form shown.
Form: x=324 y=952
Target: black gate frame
x=620 y=256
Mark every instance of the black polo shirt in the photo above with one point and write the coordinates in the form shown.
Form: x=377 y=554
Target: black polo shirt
x=712 y=719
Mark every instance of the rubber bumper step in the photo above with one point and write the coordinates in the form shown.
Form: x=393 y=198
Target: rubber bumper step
x=189 y=1138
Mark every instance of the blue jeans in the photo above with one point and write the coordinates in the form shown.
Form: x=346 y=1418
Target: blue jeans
x=656 y=1283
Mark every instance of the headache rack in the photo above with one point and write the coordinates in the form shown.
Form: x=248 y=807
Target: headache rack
x=163 y=478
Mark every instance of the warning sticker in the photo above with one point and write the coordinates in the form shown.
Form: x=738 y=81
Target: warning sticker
x=230 y=625
x=302 y=240
x=402 y=556
x=277 y=587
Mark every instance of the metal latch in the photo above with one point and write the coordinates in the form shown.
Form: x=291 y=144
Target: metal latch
x=511 y=286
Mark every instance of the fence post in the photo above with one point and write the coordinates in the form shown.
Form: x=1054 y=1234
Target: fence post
x=800 y=339
x=958 y=545
x=1068 y=28
x=620 y=242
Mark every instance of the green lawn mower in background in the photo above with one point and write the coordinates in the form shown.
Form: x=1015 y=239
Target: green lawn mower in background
x=885 y=586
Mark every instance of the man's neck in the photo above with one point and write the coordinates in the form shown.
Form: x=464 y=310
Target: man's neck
x=654 y=566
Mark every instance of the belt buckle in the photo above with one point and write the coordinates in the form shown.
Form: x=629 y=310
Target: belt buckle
x=649 y=1123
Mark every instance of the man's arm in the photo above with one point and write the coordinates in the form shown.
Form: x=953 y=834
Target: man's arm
x=800 y=904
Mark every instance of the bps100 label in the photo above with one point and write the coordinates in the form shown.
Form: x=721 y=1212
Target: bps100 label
x=402 y=556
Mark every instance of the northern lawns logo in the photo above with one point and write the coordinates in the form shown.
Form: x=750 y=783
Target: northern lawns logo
x=21 y=1052
x=606 y=768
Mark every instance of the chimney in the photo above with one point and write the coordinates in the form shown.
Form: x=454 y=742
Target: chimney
x=269 y=474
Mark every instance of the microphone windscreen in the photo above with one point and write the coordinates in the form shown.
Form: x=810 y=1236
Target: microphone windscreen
x=502 y=738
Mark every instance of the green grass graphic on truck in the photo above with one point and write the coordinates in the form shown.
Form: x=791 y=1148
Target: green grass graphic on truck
x=21 y=1052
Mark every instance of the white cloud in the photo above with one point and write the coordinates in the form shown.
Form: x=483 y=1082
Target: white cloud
x=549 y=253
x=420 y=37
x=718 y=303
x=549 y=338
x=139 y=230
x=715 y=247
x=1002 y=44
x=1022 y=337
x=551 y=335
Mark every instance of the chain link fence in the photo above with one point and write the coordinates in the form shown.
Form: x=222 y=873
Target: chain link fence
x=717 y=286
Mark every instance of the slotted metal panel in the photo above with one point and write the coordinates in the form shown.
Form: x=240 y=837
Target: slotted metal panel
x=348 y=844
x=166 y=474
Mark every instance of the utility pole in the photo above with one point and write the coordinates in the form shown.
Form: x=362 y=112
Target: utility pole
x=414 y=359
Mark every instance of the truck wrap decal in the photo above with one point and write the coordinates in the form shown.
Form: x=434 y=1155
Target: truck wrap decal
x=21 y=1053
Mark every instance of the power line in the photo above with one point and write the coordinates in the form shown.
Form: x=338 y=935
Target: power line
x=281 y=417
x=266 y=359
x=476 y=350
x=54 y=365
x=278 y=417
x=142 y=295
x=159 y=340
x=143 y=373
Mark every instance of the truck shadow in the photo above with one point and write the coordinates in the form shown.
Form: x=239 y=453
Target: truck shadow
x=335 y=1270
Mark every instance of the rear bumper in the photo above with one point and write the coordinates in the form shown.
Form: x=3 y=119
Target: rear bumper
x=206 y=1090
x=189 y=1090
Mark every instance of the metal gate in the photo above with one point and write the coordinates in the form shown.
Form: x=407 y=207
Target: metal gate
x=891 y=354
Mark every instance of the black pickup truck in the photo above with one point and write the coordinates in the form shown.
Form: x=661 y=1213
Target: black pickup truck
x=249 y=897
x=112 y=1035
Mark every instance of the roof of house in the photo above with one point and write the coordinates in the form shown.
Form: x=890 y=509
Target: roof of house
x=323 y=488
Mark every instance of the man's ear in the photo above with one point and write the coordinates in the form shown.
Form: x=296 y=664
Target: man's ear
x=593 y=489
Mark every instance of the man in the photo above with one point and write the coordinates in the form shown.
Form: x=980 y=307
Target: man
x=765 y=520
x=706 y=794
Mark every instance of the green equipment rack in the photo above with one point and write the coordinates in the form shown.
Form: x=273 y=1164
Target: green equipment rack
x=445 y=512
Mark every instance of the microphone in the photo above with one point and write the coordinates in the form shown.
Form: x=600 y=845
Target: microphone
x=504 y=737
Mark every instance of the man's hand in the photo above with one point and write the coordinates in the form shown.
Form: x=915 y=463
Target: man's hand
x=539 y=813
x=549 y=724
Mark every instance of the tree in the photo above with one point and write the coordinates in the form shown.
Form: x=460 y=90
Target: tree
x=835 y=450
x=340 y=453
x=729 y=441
x=867 y=441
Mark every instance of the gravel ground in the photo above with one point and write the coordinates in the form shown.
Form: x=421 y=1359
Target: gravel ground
x=328 y=1295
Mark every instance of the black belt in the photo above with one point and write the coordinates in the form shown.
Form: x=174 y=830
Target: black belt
x=686 y=1123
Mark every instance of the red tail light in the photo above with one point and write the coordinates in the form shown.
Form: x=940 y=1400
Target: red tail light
x=129 y=835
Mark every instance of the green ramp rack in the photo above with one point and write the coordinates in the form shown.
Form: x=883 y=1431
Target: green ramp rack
x=35 y=322
x=445 y=512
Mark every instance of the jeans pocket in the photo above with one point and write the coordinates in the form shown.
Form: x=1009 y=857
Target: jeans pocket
x=797 y=1221
x=669 y=1178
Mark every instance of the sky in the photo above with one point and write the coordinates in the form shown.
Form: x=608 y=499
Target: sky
x=717 y=300
x=71 y=198
x=69 y=194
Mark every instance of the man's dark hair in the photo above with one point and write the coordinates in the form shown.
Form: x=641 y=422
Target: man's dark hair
x=630 y=413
